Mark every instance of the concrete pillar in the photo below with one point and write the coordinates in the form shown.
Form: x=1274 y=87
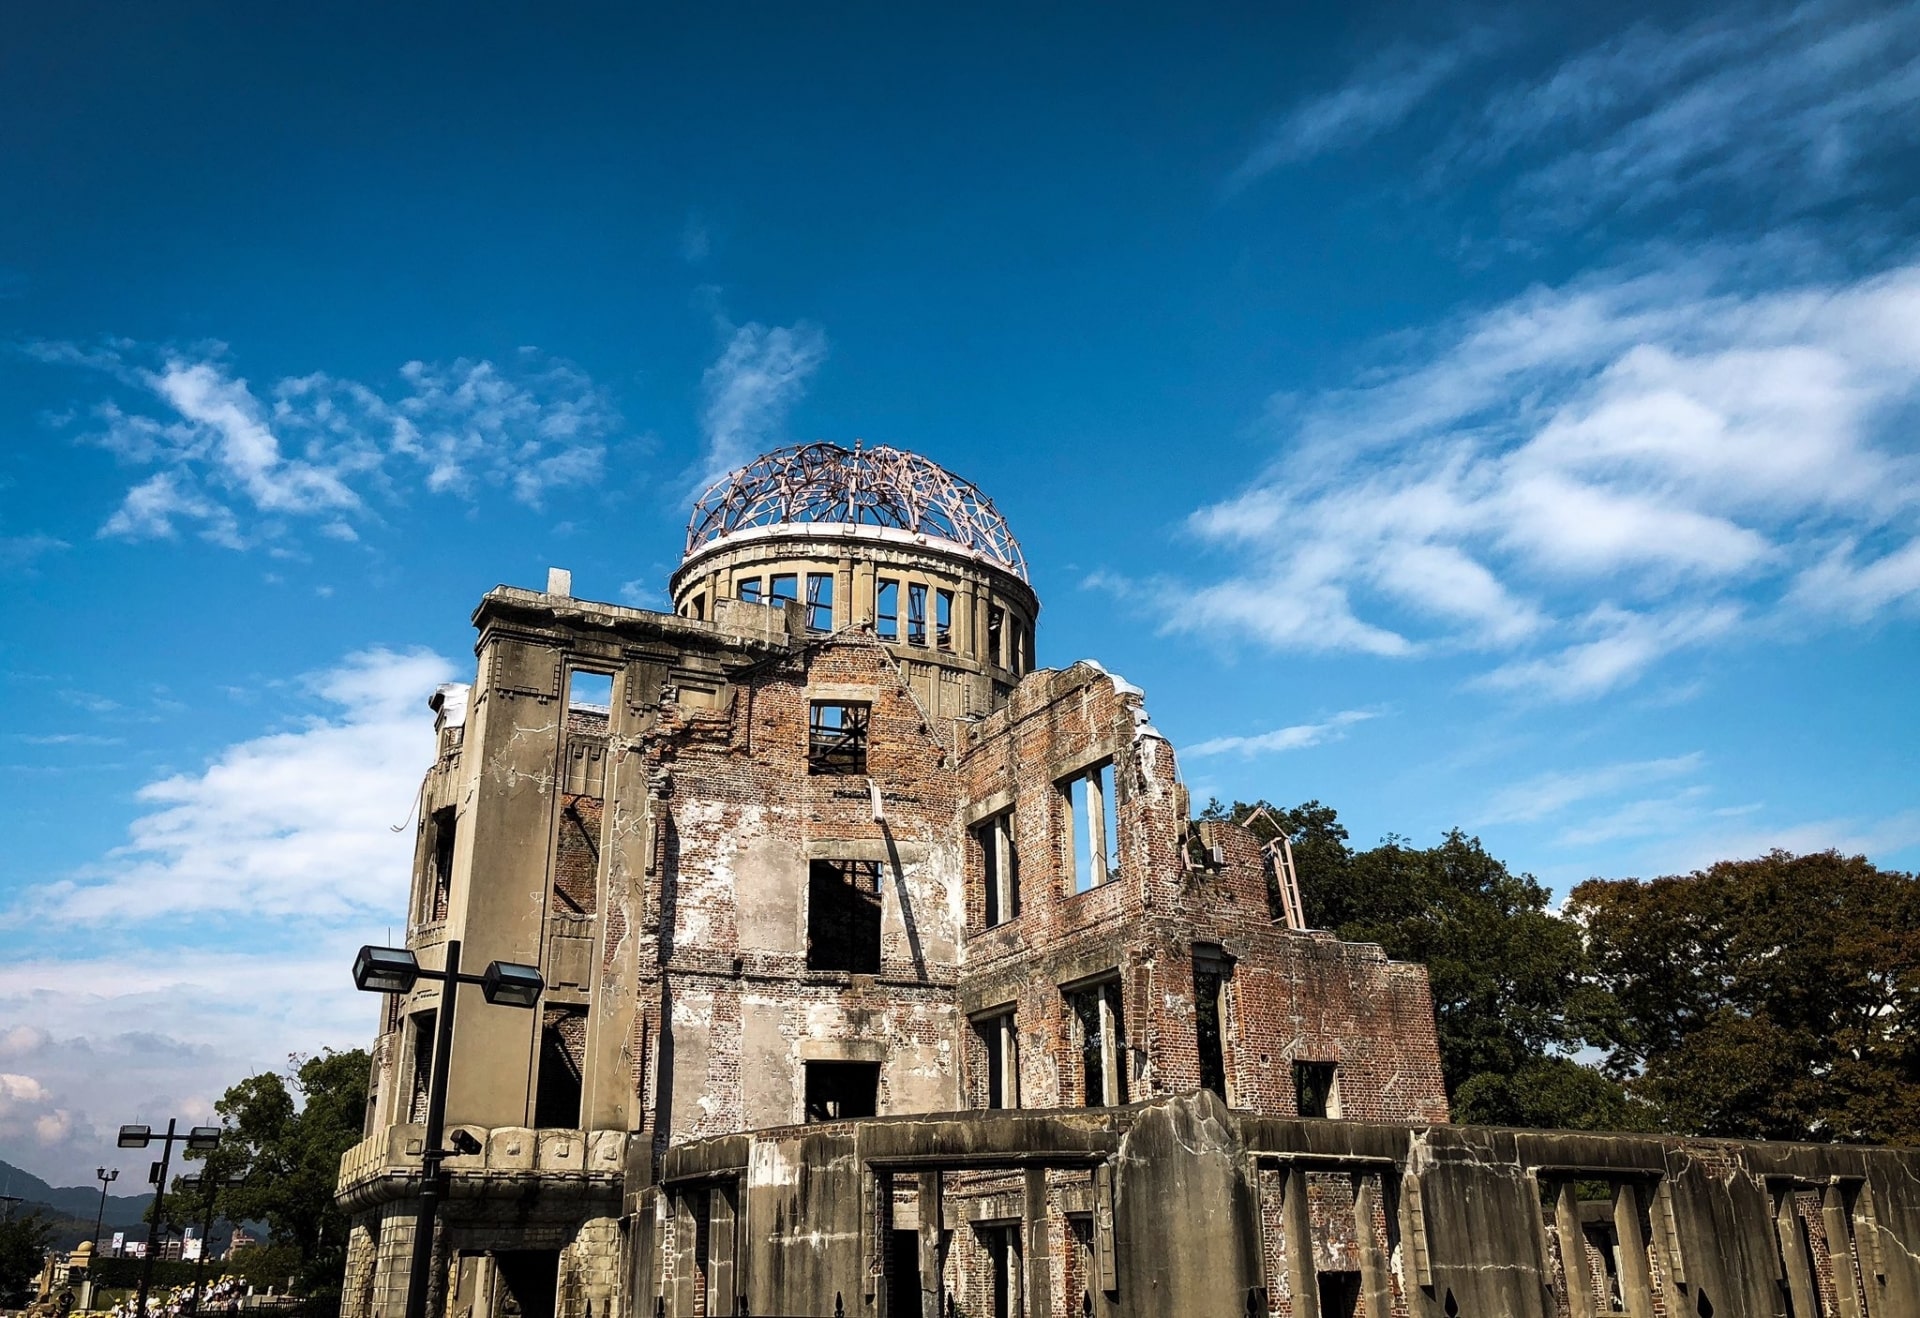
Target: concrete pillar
x=1575 y=1274
x=966 y=632
x=1840 y=1248
x=844 y=608
x=1036 y=1247
x=723 y=1282
x=932 y=1280
x=1793 y=1250
x=1636 y=1278
x=861 y=608
x=1097 y=829
x=1376 y=1286
x=1302 y=1283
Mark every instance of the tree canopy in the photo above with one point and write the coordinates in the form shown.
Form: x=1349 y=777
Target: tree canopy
x=23 y=1243
x=1771 y=998
x=287 y=1139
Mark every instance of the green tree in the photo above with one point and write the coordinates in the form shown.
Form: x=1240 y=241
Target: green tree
x=23 y=1246
x=1511 y=991
x=289 y=1149
x=1776 y=998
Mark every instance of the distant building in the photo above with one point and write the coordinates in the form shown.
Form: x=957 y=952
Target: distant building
x=239 y=1240
x=889 y=974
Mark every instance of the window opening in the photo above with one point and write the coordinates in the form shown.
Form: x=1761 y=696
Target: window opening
x=747 y=591
x=1102 y=1043
x=1316 y=1089
x=916 y=614
x=819 y=601
x=837 y=1091
x=1001 y=1044
x=423 y=1027
x=563 y=1048
x=444 y=826
x=1092 y=835
x=784 y=588
x=697 y=608
x=1339 y=1294
x=837 y=737
x=843 y=916
x=589 y=691
x=996 y=635
x=943 y=619
x=1002 y=1245
x=530 y=1278
x=1000 y=867
x=1017 y=660
x=886 y=610
x=1210 y=971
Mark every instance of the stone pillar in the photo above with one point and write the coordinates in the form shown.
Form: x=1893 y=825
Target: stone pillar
x=1375 y=1282
x=1574 y=1273
x=932 y=1279
x=1302 y=1283
x=1841 y=1249
x=1636 y=1277
x=1036 y=1248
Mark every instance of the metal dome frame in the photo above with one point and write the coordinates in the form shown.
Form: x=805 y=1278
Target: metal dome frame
x=828 y=483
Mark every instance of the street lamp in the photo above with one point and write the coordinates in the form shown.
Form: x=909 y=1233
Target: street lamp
x=208 y=1184
x=201 y=1139
x=396 y=970
x=105 y=1178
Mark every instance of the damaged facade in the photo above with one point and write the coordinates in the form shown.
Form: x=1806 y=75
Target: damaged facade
x=888 y=974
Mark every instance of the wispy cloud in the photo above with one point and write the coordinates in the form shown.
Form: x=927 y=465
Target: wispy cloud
x=1550 y=793
x=1586 y=479
x=760 y=374
x=1378 y=97
x=235 y=463
x=292 y=824
x=1298 y=737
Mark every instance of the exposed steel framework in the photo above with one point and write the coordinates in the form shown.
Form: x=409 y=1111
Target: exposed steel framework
x=880 y=486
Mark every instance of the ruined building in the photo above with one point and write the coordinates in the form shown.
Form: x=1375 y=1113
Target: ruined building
x=887 y=973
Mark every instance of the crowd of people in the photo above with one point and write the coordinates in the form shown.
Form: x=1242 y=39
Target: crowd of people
x=216 y=1297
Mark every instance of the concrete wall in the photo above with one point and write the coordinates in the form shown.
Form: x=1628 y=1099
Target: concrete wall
x=1182 y=1207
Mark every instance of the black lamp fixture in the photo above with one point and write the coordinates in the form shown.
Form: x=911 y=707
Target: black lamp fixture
x=504 y=984
x=202 y=1139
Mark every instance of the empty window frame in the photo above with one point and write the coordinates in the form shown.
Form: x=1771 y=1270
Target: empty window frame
x=996 y=635
x=1018 y=658
x=1212 y=968
x=442 y=829
x=943 y=619
x=697 y=608
x=886 y=609
x=1316 y=1089
x=1000 y=869
x=589 y=690
x=1000 y=1044
x=563 y=1050
x=819 y=601
x=837 y=737
x=837 y=1091
x=747 y=590
x=783 y=588
x=1600 y=1228
x=1092 y=826
x=916 y=614
x=1103 y=1043
x=422 y=1068
x=843 y=916
x=1000 y=1241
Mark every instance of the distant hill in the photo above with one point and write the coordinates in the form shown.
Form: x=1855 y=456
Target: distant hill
x=78 y=1202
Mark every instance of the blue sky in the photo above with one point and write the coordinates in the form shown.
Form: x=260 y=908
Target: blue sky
x=1461 y=415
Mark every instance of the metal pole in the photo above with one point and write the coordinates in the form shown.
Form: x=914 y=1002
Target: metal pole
x=101 y=1216
x=153 y=1222
x=206 y=1239
x=431 y=1153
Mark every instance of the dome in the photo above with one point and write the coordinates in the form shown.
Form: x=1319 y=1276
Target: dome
x=878 y=487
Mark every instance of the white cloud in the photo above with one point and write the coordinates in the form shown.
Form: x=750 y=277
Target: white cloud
x=1587 y=479
x=1551 y=793
x=295 y=823
x=1375 y=99
x=234 y=462
x=1298 y=737
x=759 y=375
x=1790 y=106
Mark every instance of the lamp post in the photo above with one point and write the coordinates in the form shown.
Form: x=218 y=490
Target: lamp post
x=201 y=1139
x=208 y=1184
x=396 y=970
x=105 y=1178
